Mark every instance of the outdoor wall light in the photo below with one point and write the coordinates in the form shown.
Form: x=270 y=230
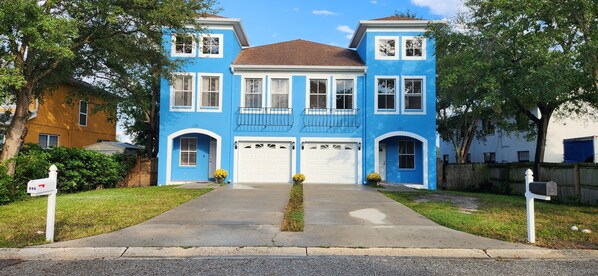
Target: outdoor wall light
x=359 y=146
x=236 y=144
x=293 y=145
x=302 y=145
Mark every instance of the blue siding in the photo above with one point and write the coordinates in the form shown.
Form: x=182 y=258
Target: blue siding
x=200 y=170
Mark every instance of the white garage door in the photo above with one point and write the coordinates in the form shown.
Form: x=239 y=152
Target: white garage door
x=331 y=163
x=264 y=162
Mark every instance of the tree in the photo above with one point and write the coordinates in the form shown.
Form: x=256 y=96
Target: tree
x=544 y=60
x=44 y=43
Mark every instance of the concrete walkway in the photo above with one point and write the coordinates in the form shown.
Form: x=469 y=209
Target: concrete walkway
x=335 y=216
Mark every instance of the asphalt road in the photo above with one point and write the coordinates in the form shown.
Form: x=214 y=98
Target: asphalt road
x=301 y=266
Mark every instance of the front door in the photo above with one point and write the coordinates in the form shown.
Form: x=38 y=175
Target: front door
x=382 y=161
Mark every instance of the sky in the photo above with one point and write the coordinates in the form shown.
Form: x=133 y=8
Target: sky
x=325 y=21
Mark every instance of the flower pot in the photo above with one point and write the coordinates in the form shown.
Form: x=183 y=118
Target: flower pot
x=373 y=183
x=220 y=180
x=297 y=182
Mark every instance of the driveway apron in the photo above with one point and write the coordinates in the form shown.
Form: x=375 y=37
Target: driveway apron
x=248 y=215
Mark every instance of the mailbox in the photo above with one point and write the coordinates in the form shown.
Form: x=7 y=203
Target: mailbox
x=42 y=186
x=543 y=188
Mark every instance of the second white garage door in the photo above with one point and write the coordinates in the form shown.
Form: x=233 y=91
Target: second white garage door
x=329 y=163
x=264 y=162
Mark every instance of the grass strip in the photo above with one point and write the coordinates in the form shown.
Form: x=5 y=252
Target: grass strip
x=293 y=216
x=88 y=213
x=503 y=217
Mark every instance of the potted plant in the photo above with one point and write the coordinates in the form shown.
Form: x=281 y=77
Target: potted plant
x=298 y=178
x=373 y=179
x=220 y=175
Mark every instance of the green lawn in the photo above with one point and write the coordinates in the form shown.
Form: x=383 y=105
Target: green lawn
x=88 y=213
x=504 y=217
x=293 y=216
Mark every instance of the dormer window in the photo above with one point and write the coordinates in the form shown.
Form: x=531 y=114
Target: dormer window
x=183 y=45
x=211 y=45
x=414 y=48
x=387 y=47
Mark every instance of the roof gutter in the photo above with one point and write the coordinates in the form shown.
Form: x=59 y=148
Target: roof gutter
x=298 y=68
x=419 y=25
x=235 y=22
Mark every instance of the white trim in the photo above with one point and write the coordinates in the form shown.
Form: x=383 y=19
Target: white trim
x=86 y=113
x=397 y=95
x=404 y=48
x=181 y=151
x=307 y=90
x=377 y=46
x=355 y=97
x=220 y=46
x=173 y=52
x=289 y=78
x=298 y=68
x=48 y=139
x=389 y=26
x=424 y=142
x=172 y=108
x=218 y=22
x=200 y=108
x=171 y=137
x=416 y=112
x=251 y=76
x=399 y=157
x=291 y=140
x=340 y=141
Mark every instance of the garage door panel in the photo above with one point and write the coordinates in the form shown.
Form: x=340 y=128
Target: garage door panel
x=333 y=163
x=264 y=162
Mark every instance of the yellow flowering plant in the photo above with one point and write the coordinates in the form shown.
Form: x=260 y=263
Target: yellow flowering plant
x=373 y=177
x=299 y=177
x=220 y=174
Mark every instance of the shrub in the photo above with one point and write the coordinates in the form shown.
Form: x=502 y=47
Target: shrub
x=374 y=177
x=10 y=190
x=220 y=174
x=299 y=177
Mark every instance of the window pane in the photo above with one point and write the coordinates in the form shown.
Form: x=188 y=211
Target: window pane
x=387 y=47
x=280 y=101
x=43 y=141
x=386 y=102
x=192 y=158
x=413 y=102
x=210 y=91
x=317 y=97
x=53 y=141
x=83 y=107
x=83 y=119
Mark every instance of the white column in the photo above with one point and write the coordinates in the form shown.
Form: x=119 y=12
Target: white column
x=51 y=215
x=529 y=203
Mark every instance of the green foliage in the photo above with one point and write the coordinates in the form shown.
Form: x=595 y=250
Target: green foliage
x=10 y=190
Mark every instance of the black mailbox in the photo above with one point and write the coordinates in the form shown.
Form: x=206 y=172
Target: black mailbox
x=543 y=188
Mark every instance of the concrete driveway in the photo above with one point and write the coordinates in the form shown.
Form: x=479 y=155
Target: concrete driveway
x=250 y=215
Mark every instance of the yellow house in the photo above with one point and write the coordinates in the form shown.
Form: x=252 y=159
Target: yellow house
x=58 y=121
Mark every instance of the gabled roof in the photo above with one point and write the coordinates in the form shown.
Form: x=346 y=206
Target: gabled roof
x=299 y=53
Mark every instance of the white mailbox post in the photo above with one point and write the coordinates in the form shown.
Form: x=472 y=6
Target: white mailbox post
x=46 y=186
x=535 y=190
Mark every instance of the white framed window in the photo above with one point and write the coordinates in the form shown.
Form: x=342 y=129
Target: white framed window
x=386 y=47
x=344 y=94
x=386 y=100
x=406 y=154
x=182 y=92
x=317 y=91
x=211 y=46
x=253 y=92
x=414 y=95
x=523 y=156
x=83 y=113
x=48 y=140
x=210 y=97
x=488 y=127
x=183 y=45
x=280 y=92
x=414 y=48
x=188 y=151
x=489 y=157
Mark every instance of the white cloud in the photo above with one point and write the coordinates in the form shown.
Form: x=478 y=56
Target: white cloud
x=447 y=8
x=323 y=12
x=296 y=9
x=345 y=29
x=374 y=2
x=274 y=35
x=333 y=44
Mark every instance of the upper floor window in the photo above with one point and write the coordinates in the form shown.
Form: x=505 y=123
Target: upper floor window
x=182 y=92
x=211 y=45
x=254 y=92
x=279 y=89
x=48 y=140
x=406 y=154
x=413 y=93
x=183 y=45
x=386 y=94
x=318 y=89
x=344 y=94
x=188 y=151
x=488 y=127
x=414 y=48
x=82 y=113
x=386 y=47
x=211 y=90
x=489 y=157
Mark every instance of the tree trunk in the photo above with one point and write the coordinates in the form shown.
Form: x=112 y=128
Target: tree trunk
x=16 y=131
x=542 y=131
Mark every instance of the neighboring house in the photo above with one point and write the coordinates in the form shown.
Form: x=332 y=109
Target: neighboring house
x=63 y=120
x=501 y=147
x=334 y=114
x=114 y=147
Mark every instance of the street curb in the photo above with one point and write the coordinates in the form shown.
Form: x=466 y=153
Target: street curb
x=94 y=253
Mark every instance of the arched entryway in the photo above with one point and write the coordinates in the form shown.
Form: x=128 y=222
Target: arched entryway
x=401 y=157
x=192 y=155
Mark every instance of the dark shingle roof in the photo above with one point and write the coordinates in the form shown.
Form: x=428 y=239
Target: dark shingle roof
x=299 y=53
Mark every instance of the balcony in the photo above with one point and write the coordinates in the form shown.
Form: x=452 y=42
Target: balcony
x=265 y=116
x=331 y=118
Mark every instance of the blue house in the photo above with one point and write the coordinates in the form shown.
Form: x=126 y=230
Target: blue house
x=334 y=114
